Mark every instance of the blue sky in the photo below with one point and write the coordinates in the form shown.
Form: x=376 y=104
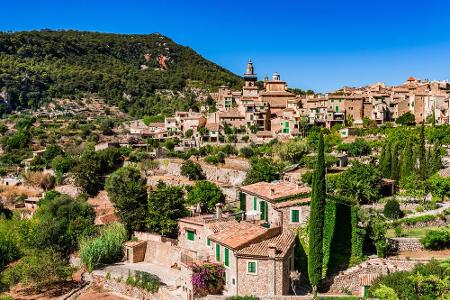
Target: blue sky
x=321 y=45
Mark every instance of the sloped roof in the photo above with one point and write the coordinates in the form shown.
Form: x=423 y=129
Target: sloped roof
x=283 y=243
x=275 y=190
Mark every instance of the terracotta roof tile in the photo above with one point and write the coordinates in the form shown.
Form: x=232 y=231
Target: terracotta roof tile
x=293 y=202
x=283 y=243
x=242 y=234
x=273 y=191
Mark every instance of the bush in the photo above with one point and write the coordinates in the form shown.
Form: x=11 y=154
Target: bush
x=38 y=269
x=436 y=239
x=192 y=170
x=247 y=152
x=208 y=279
x=144 y=281
x=392 y=209
x=106 y=248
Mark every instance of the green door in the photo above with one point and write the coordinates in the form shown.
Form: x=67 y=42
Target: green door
x=263 y=209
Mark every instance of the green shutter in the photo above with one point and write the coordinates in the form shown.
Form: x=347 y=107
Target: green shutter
x=242 y=201
x=217 y=252
x=263 y=208
x=295 y=217
x=190 y=235
x=227 y=257
x=255 y=204
x=208 y=241
x=337 y=108
x=251 y=267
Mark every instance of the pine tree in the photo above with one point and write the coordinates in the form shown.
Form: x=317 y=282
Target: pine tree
x=386 y=161
x=407 y=160
x=316 y=220
x=422 y=154
x=395 y=165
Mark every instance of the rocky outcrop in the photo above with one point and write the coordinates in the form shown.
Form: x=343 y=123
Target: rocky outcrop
x=406 y=244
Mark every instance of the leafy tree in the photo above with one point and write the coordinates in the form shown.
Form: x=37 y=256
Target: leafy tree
x=262 y=169
x=406 y=119
x=189 y=133
x=88 y=173
x=60 y=223
x=192 y=170
x=440 y=186
x=62 y=164
x=206 y=193
x=170 y=144
x=50 y=153
x=165 y=207
x=16 y=141
x=437 y=239
x=316 y=220
x=106 y=126
x=361 y=183
x=247 y=152
x=128 y=192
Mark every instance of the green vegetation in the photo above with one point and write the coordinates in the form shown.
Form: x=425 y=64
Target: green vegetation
x=127 y=190
x=316 y=220
x=40 y=65
x=392 y=209
x=105 y=248
x=144 y=281
x=406 y=119
x=205 y=193
x=192 y=170
x=429 y=282
x=165 y=206
x=437 y=239
x=262 y=169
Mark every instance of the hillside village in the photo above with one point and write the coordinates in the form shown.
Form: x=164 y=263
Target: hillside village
x=220 y=203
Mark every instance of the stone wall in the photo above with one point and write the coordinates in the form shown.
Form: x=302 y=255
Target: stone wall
x=437 y=222
x=121 y=288
x=349 y=280
x=406 y=244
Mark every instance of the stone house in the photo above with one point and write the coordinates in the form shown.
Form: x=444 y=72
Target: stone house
x=278 y=204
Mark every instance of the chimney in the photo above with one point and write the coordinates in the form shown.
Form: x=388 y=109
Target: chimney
x=272 y=191
x=219 y=210
x=272 y=250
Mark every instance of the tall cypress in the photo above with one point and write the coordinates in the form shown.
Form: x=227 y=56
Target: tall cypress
x=407 y=160
x=422 y=154
x=316 y=219
x=395 y=165
x=436 y=161
x=386 y=160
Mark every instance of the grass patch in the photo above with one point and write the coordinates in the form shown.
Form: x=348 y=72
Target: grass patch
x=411 y=232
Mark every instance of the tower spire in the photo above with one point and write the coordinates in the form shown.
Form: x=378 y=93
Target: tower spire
x=250 y=70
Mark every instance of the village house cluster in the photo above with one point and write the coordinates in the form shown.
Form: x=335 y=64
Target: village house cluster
x=256 y=245
x=272 y=111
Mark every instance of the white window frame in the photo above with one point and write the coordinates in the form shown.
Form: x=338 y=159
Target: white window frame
x=256 y=267
x=299 y=215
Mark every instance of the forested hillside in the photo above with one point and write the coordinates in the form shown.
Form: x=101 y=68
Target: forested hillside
x=125 y=69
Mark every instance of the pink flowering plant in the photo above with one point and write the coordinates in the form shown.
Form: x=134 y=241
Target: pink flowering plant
x=208 y=279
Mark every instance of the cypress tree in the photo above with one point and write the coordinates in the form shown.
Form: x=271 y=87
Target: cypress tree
x=395 y=166
x=436 y=162
x=422 y=154
x=407 y=160
x=386 y=161
x=316 y=220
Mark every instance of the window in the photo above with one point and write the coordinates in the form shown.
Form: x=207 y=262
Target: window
x=295 y=216
x=233 y=281
x=242 y=201
x=217 y=252
x=251 y=267
x=255 y=203
x=190 y=235
x=227 y=257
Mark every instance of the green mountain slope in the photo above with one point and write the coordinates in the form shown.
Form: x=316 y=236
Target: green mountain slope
x=125 y=69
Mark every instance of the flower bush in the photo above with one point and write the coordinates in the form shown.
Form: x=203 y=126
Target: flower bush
x=208 y=279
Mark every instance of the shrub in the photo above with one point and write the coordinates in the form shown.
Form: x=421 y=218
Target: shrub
x=105 y=248
x=208 y=279
x=392 y=209
x=38 y=269
x=385 y=292
x=247 y=152
x=207 y=193
x=192 y=170
x=437 y=239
